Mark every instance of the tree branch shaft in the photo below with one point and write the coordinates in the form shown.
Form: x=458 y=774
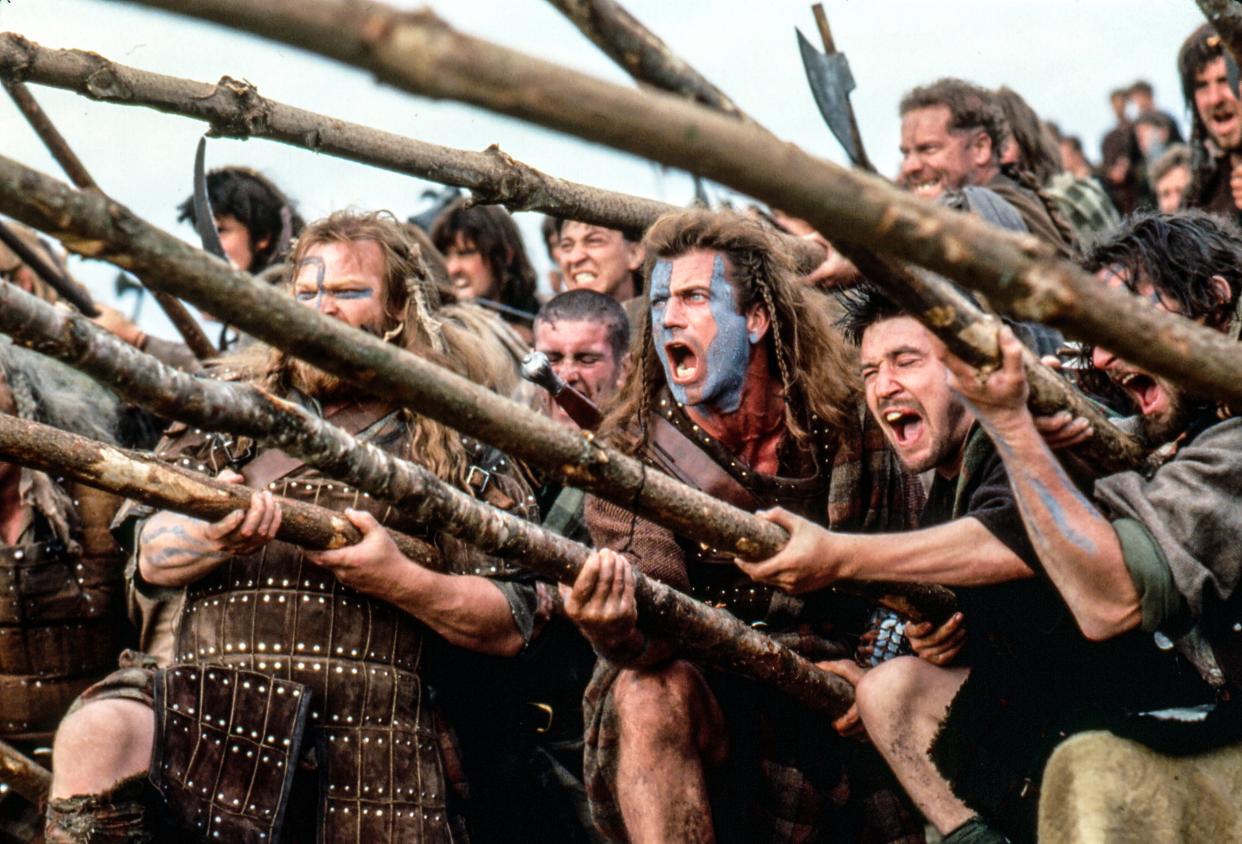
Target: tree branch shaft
x=641 y=53
x=133 y=475
x=964 y=328
x=22 y=774
x=423 y=501
x=56 y=144
x=421 y=54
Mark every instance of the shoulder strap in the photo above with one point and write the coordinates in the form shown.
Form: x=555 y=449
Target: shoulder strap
x=273 y=464
x=677 y=455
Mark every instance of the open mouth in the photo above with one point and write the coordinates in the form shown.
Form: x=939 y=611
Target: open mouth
x=905 y=423
x=583 y=278
x=1143 y=389
x=929 y=189
x=685 y=363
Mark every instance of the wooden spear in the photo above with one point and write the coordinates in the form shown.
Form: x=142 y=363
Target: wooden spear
x=56 y=144
x=22 y=774
x=234 y=109
x=642 y=53
x=422 y=500
x=420 y=53
x=962 y=326
x=90 y=225
x=131 y=474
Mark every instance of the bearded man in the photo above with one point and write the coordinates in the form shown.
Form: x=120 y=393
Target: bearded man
x=742 y=389
x=1216 y=123
x=298 y=700
x=1154 y=550
x=968 y=726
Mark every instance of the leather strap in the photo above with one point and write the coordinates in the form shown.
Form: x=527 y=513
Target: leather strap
x=680 y=457
x=273 y=464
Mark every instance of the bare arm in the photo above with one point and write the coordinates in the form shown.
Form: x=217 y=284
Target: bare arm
x=468 y=611
x=958 y=553
x=1076 y=544
x=174 y=550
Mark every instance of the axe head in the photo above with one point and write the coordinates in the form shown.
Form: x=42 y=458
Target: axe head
x=831 y=83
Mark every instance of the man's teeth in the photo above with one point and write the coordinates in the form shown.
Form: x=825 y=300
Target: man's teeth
x=892 y=416
x=584 y=278
x=684 y=370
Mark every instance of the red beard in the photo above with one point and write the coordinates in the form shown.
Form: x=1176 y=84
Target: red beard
x=314 y=382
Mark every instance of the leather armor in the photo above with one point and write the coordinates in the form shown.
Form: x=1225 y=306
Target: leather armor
x=370 y=731
x=61 y=617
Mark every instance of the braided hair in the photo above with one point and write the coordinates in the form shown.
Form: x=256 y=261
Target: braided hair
x=807 y=354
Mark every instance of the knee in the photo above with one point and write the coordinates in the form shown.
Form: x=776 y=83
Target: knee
x=101 y=743
x=891 y=686
x=654 y=704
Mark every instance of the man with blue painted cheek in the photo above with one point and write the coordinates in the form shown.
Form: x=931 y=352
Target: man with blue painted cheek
x=1153 y=550
x=740 y=387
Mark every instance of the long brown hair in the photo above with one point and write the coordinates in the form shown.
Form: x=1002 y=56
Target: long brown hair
x=806 y=352
x=414 y=321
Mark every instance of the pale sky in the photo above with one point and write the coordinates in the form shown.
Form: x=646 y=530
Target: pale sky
x=1063 y=56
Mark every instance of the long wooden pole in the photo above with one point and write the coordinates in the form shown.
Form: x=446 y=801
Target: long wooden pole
x=642 y=53
x=422 y=501
x=88 y=223
x=22 y=774
x=56 y=144
x=234 y=108
x=420 y=53
x=967 y=331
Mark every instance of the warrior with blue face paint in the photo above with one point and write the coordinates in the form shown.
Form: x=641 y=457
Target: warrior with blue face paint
x=740 y=387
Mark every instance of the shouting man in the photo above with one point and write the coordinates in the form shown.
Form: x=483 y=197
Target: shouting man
x=298 y=679
x=740 y=388
x=1154 y=550
x=1216 y=123
x=600 y=259
x=968 y=727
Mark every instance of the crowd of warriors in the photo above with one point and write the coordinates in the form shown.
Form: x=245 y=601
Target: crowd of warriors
x=213 y=682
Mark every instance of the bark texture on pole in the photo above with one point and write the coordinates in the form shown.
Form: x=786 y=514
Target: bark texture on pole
x=971 y=334
x=420 y=53
x=234 y=109
x=68 y=160
x=93 y=226
x=963 y=327
x=423 y=501
x=22 y=774
x=641 y=53
x=134 y=475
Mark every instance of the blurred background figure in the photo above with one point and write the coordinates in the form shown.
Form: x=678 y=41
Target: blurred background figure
x=1170 y=177
x=485 y=259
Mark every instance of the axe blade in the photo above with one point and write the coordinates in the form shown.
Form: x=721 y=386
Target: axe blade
x=831 y=82
x=204 y=219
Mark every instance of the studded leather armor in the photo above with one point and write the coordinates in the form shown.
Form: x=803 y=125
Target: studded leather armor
x=370 y=733
x=61 y=616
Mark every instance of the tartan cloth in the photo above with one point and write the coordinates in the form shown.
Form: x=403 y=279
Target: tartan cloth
x=802 y=781
x=1085 y=205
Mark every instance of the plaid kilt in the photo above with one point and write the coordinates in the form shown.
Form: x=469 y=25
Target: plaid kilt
x=788 y=776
